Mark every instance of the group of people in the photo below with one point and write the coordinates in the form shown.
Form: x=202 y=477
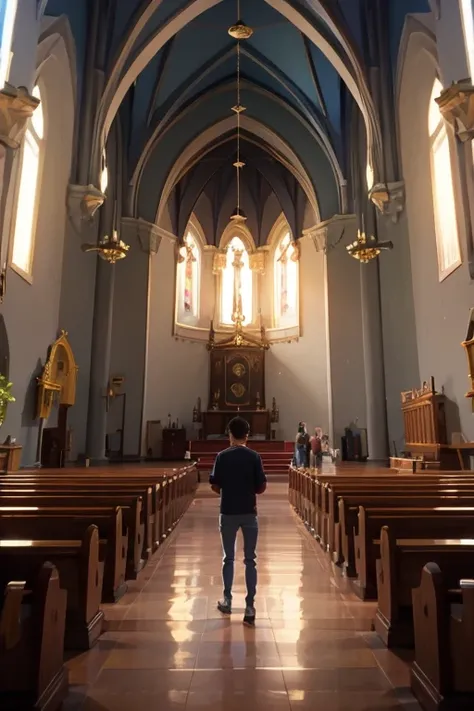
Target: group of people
x=309 y=450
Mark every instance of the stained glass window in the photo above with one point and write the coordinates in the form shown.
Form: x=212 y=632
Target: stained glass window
x=444 y=205
x=237 y=284
x=27 y=197
x=189 y=276
x=286 y=282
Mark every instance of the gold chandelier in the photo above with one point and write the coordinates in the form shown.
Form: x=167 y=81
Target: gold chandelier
x=110 y=249
x=240 y=32
x=364 y=250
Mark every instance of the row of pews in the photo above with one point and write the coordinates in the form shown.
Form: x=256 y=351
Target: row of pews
x=70 y=541
x=405 y=540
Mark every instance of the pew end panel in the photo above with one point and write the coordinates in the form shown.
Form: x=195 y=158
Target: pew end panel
x=32 y=673
x=84 y=629
x=399 y=571
x=390 y=625
x=441 y=675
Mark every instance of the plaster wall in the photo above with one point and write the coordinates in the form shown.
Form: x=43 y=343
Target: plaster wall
x=178 y=370
x=297 y=372
x=441 y=308
x=31 y=310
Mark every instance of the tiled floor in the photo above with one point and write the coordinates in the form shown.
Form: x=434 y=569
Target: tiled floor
x=168 y=648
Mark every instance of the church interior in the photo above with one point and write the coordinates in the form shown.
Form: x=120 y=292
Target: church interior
x=221 y=208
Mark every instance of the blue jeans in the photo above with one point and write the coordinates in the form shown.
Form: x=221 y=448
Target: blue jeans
x=301 y=455
x=229 y=526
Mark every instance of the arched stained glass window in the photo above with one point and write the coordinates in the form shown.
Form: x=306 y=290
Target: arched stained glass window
x=237 y=284
x=28 y=191
x=189 y=279
x=444 y=205
x=286 y=282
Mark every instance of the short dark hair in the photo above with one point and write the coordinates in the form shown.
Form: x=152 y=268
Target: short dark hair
x=239 y=428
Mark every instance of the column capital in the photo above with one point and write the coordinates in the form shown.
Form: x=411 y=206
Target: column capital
x=389 y=198
x=456 y=104
x=16 y=107
x=83 y=201
x=148 y=234
x=258 y=260
x=327 y=234
x=219 y=262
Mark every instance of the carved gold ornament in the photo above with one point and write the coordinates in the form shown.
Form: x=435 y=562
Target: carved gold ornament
x=257 y=262
x=219 y=262
x=239 y=370
x=238 y=390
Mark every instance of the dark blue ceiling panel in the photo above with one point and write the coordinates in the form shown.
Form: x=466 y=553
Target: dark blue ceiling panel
x=206 y=114
x=283 y=45
x=77 y=13
x=330 y=84
x=398 y=12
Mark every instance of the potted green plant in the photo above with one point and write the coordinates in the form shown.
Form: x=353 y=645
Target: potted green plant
x=5 y=396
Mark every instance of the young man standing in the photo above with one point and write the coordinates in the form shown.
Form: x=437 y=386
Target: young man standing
x=238 y=477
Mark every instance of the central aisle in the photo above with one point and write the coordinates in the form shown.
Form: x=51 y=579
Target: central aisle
x=168 y=648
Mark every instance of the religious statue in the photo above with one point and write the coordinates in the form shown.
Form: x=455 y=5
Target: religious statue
x=237 y=315
x=258 y=403
x=187 y=255
x=215 y=404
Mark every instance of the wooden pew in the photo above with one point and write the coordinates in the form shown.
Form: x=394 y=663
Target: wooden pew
x=71 y=524
x=172 y=490
x=80 y=568
x=441 y=676
x=358 y=494
x=111 y=494
x=150 y=492
x=399 y=571
x=348 y=510
x=310 y=489
x=32 y=623
x=419 y=523
x=132 y=514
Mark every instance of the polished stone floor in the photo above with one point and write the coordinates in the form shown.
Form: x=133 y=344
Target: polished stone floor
x=168 y=648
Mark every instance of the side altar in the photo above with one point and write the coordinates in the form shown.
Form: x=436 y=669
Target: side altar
x=237 y=383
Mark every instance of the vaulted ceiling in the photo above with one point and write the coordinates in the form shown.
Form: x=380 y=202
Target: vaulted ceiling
x=170 y=78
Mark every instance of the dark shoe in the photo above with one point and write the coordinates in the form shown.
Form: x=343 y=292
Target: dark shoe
x=249 y=617
x=225 y=606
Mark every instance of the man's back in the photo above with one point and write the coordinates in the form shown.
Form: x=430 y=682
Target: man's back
x=238 y=472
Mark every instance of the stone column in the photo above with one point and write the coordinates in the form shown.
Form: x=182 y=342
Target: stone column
x=100 y=361
x=372 y=338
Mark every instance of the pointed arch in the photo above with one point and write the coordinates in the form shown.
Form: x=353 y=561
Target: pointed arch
x=340 y=53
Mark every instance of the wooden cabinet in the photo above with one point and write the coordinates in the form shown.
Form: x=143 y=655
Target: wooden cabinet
x=174 y=444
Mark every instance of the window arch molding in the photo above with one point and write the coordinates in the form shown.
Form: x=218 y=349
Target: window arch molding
x=56 y=77
x=27 y=194
x=238 y=230
x=443 y=172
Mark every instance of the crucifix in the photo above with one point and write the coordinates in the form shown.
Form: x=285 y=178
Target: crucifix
x=237 y=315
